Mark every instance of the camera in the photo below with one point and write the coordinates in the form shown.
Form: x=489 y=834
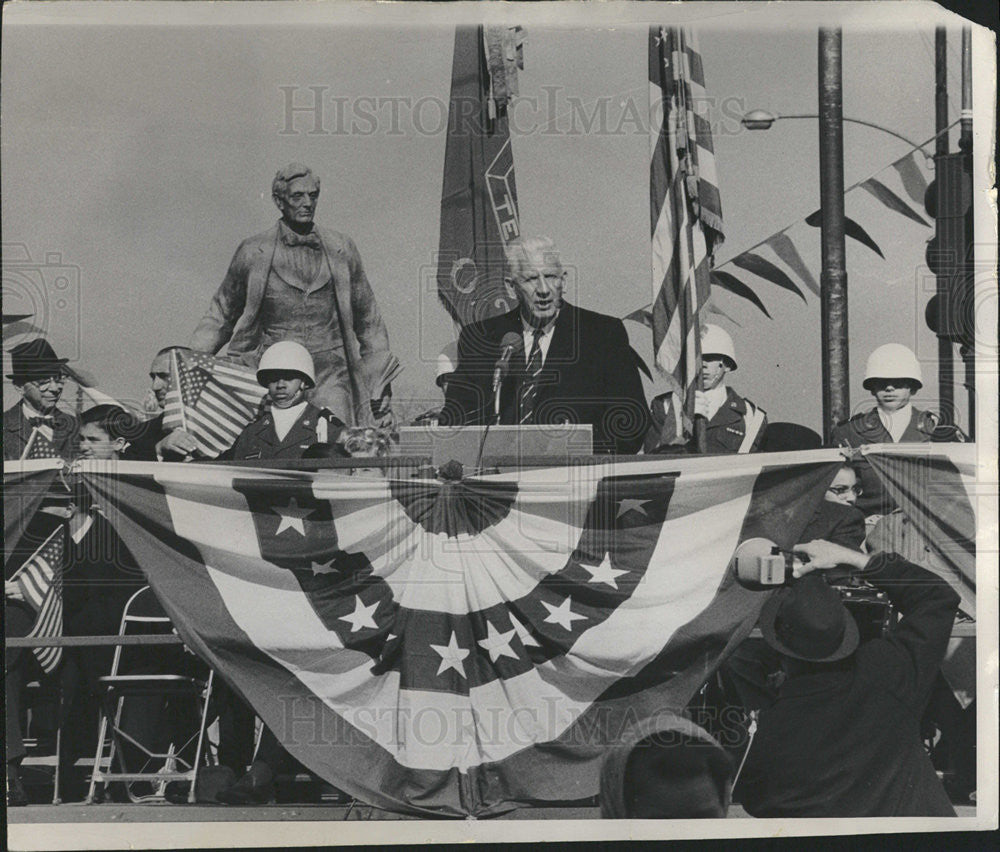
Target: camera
x=760 y=563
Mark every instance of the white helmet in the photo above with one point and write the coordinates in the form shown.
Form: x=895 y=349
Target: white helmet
x=716 y=341
x=447 y=362
x=287 y=356
x=893 y=361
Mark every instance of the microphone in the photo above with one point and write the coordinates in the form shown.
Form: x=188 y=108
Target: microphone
x=511 y=343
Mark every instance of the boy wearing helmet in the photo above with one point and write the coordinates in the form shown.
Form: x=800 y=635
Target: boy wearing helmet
x=893 y=376
x=735 y=425
x=290 y=424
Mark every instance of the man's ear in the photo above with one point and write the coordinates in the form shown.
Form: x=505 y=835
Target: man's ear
x=119 y=444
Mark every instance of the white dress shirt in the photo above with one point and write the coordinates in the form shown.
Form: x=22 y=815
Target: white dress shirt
x=716 y=398
x=896 y=422
x=284 y=418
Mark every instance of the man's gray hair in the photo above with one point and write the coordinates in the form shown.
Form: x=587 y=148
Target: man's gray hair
x=519 y=250
x=279 y=186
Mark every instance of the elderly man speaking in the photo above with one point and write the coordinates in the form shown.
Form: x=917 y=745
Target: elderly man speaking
x=299 y=282
x=567 y=364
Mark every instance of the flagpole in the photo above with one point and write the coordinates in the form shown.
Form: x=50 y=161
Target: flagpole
x=175 y=369
x=833 y=277
x=946 y=349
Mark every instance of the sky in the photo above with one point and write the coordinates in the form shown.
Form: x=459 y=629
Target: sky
x=138 y=149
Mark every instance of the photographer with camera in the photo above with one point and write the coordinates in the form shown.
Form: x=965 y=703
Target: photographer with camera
x=843 y=737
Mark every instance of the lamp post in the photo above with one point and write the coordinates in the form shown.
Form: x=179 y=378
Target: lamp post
x=759 y=119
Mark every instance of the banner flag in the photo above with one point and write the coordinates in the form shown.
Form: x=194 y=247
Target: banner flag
x=782 y=245
x=912 y=177
x=728 y=281
x=765 y=269
x=893 y=201
x=455 y=648
x=479 y=212
x=39 y=581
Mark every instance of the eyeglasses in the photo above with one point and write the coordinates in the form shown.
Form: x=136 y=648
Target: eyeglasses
x=841 y=490
x=49 y=380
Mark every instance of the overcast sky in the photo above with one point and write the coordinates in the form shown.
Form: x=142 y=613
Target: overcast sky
x=137 y=155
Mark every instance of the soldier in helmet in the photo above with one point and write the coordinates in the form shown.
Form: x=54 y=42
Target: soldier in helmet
x=893 y=376
x=291 y=424
x=735 y=425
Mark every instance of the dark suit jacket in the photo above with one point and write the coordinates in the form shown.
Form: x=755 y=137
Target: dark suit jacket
x=260 y=441
x=589 y=376
x=143 y=447
x=846 y=742
x=17 y=431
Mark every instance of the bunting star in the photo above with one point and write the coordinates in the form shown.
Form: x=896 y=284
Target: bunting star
x=363 y=616
x=323 y=567
x=627 y=505
x=562 y=614
x=451 y=655
x=497 y=643
x=603 y=573
x=292 y=516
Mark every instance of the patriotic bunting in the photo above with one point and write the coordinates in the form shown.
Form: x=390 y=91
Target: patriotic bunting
x=893 y=201
x=456 y=648
x=39 y=581
x=782 y=246
x=912 y=177
x=765 y=269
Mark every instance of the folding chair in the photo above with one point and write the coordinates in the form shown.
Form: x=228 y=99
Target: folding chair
x=143 y=615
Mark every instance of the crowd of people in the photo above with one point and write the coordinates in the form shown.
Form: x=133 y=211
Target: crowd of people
x=297 y=307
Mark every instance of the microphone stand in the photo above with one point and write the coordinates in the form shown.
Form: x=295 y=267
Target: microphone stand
x=495 y=419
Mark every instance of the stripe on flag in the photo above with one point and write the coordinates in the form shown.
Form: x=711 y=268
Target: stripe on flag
x=39 y=580
x=685 y=206
x=211 y=399
x=456 y=648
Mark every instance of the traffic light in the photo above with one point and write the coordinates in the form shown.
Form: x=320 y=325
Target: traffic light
x=950 y=312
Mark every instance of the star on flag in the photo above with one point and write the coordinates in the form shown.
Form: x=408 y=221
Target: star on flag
x=323 y=567
x=628 y=505
x=603 y=573
x=451 y=655
x=562 y=614
x=291 y=516
x=363 y=616
x=497 y=643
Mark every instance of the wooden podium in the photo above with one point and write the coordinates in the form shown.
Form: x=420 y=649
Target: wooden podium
x=461 y=443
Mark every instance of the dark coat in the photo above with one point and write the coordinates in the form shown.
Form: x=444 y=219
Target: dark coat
x=846 y=742
x=17 y=431
x=867 y=428
x=143 y=447
x=260 y=441
x=589 y=376
x=725 y=432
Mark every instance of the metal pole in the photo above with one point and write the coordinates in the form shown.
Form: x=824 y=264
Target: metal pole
x=946 y=349
x=968 y=349
x=833 y=278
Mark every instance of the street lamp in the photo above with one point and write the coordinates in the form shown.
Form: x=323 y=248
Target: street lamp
x=759 y=119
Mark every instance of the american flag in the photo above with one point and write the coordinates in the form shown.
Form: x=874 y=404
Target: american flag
x=39 y=445
x=684 y=203
x=211 y=398
x=454 y=648
x=40 y=583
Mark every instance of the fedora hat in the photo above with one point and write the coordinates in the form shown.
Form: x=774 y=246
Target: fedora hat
x=33 y=360
x=807 y=620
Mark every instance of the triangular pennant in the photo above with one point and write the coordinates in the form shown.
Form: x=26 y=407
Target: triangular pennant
x=643 y=316
x=712 y=308
x=851 y=228
x=892 y=201
x=912 y=178
x=782 y=246
x=738 y=288
x=765 y=269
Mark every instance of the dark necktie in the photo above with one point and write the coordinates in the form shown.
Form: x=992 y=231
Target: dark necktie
x=529 y=388
x=42 y=421
x=311 y=239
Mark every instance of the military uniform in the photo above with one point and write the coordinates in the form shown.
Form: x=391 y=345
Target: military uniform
x=868 y=428
x=737 y=427
x=260 y=440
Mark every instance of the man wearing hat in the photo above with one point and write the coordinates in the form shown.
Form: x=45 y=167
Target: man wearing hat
x=892 y=376
x=38 y=374
x=843 y=737
x=734 y=424
x=300 y=282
